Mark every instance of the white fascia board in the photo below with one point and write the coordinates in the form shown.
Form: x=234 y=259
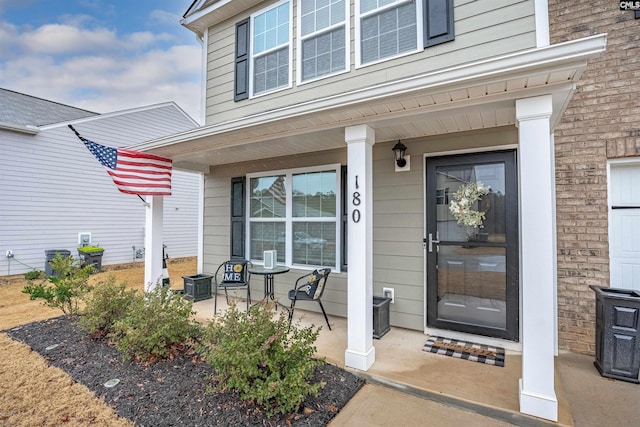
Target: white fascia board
x=30 y=130
x=121 y=113
x=572 y=53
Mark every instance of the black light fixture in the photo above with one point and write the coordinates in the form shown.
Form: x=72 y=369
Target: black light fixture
x=399 y=150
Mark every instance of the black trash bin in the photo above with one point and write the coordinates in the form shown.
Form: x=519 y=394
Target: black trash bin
x=91 y=255
x=380 y=316
x=617 y=333
x=50 y=254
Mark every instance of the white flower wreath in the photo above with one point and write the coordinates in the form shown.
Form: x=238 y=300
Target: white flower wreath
x=463 y=199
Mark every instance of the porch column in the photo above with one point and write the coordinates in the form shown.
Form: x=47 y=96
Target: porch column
x=538 y=256
x=153 y=242
x=360 y=353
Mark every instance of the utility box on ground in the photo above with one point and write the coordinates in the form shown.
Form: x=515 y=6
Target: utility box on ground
x=197 y=287
x=50 y=254
x=380 y=316
x=617 y=333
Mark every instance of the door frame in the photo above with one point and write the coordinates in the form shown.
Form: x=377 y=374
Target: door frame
x=509 y=155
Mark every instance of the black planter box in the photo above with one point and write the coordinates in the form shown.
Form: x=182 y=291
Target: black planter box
x=197 y=287
x=617 y=333
x=380 y=316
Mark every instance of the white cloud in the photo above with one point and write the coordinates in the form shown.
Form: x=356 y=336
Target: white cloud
x=98 y=69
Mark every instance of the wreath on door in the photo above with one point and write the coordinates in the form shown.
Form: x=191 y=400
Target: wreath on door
x=462 y=205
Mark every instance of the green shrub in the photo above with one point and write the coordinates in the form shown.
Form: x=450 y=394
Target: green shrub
x=34 y=274
x=262 y=357
x=156 y=323
x=65 y=288
x=104 y=305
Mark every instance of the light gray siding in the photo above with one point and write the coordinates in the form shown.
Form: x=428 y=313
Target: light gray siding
x=483 y=29
x=398 y=221
x=53 y=188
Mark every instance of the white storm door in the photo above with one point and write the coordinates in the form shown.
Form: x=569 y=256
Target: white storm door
x=624 y=226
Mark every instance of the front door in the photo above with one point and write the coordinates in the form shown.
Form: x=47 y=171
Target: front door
x=472 y=244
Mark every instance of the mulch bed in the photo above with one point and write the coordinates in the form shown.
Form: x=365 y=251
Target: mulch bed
x=172 y=392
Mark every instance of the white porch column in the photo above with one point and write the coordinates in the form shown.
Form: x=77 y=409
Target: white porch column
x=360 y=353
x=538 y=255
x=153 y=242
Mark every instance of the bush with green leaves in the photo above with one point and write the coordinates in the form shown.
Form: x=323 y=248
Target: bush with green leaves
x=262 y=358
x=107 y=303
x=34 y=274
x=65 y=288
x=156 y=323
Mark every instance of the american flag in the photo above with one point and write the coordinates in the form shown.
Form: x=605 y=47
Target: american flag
x=133 y=172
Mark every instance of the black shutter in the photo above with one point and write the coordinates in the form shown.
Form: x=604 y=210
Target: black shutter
x=637 y=14
x=237 y=217
x=438 y=22
x=345 y=219
x=241 y=90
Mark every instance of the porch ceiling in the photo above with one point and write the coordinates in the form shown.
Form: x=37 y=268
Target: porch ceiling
x=475 y=96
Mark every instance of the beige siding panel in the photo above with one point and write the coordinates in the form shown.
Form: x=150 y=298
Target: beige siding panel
x=477 y=37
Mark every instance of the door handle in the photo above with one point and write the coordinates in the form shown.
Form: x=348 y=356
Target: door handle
x=436 y=241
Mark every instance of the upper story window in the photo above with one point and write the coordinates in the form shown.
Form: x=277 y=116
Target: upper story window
x=386 y=29
x=271 y=49
x=296 y=213
x=322 y=38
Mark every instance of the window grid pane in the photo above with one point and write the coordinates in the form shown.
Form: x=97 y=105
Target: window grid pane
x=271 y=71
x=314 y=195
x=267 y=236
x=268 y=197
x=324 y=54
x=314 y=243
x=388 y=33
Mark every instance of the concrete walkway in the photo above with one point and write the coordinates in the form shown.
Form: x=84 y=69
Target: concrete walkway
x=407 y=386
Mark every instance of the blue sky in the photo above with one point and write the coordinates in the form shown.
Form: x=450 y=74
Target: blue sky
x=101 y=55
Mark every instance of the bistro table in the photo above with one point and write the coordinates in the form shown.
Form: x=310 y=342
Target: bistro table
x=268 y=274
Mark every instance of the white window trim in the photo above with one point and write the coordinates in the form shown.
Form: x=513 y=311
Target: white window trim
x=358 y=17
x=347 y=37
x=288 y=220
x=252 y=56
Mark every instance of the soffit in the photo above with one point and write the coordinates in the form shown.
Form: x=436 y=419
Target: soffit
x=455 y=101
x=200 y=17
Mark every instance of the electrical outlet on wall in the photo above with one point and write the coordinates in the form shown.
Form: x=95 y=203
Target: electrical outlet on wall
x=9 y=254
x=388 y=293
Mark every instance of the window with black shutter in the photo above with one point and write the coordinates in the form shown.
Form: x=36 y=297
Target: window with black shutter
x=438 y=22
x=242 y=61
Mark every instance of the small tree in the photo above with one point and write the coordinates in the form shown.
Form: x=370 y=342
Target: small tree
x=65 y=288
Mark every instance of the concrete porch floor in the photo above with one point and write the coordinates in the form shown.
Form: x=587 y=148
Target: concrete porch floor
x=408 y=386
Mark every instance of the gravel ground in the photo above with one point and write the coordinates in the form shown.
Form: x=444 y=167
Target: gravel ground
x=172 y=392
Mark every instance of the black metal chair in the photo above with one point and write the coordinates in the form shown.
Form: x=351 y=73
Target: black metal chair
x=232 y=274
x=311 y=289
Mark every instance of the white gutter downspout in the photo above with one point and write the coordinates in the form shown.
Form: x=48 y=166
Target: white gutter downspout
x=541 y=10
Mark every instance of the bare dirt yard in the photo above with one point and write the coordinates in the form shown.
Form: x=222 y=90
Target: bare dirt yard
x=65 y=385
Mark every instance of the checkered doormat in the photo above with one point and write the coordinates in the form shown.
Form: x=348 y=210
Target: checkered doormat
x=466 y=350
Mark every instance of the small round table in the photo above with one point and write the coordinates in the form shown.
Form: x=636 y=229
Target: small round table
x=268 y=274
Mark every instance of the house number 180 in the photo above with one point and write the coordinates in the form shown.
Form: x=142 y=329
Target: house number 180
x=355 y=215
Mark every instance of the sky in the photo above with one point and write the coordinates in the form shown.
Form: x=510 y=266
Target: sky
x=101 y=55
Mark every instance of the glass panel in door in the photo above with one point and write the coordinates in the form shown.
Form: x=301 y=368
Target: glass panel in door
x=472 y=281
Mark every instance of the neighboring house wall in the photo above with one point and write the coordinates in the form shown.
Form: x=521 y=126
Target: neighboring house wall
x=482 y=30
x=53 y=188
x=398 y=225
x=600 y=123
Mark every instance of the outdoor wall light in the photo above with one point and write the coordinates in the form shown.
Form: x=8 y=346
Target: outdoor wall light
x=399 y=149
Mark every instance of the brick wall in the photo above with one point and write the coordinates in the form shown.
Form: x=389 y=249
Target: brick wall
x=601 y=122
